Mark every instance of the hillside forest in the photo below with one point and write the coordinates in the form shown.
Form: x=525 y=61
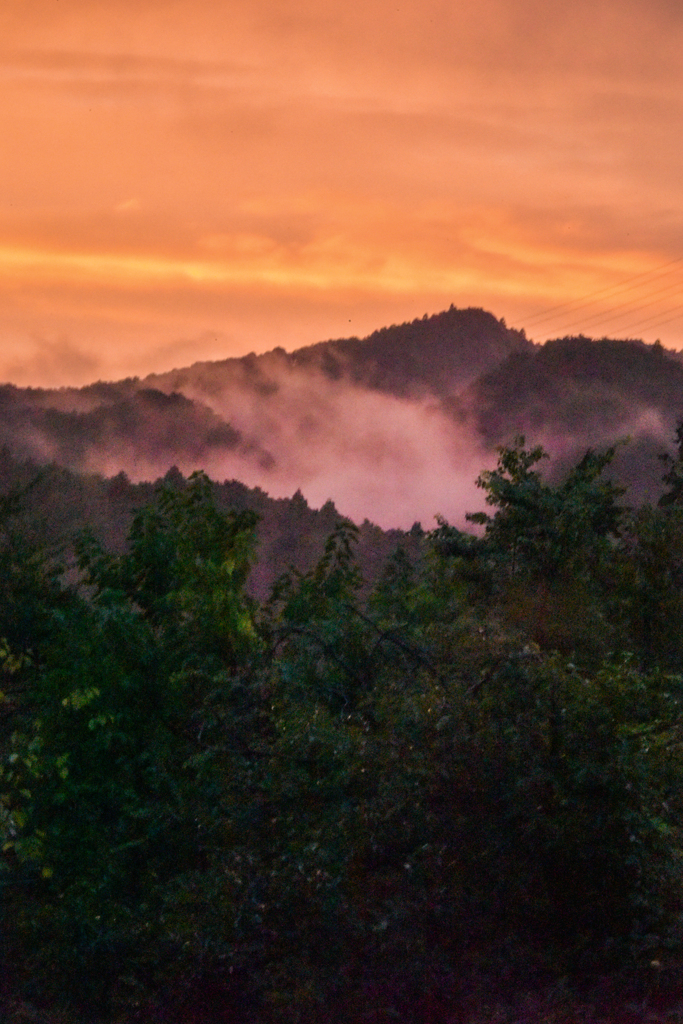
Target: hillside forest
x=392 y=428
x=434 y=779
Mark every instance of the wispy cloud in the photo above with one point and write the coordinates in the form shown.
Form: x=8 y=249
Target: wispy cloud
x=328 y=161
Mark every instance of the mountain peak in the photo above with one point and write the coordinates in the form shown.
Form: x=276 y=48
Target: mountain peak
x=436 y=354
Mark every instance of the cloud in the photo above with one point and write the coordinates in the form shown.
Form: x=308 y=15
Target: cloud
x=373 y=160
x=51 y=362
x=392 y=460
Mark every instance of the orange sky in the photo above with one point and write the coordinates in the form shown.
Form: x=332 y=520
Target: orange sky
x=183 y=181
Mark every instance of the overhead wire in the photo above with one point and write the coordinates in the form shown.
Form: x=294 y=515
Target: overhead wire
x=623 y=311
x=676 y=310
x=628 y=284
x=602 y=317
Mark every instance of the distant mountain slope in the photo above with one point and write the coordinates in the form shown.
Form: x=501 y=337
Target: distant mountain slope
x=571 y=383
x=130 y=427
x=394 y=427
x=572 y=393
x=433 y=356
x=58 y=504
x=354 y=420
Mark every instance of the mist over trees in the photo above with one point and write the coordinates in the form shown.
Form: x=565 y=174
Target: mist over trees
x=393 y=427
x=427 y=796
x=261 y=764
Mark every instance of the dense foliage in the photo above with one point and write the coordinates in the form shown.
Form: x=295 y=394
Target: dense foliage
x=336 y=803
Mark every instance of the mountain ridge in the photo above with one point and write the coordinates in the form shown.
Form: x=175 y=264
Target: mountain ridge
x=430 y=354
x=393 y=427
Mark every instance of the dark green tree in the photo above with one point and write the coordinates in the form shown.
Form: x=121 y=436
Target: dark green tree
x=673 y=477
x=128 y=745
x=553 y=544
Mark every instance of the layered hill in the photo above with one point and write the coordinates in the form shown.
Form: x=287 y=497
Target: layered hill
x=394 y=427
x=574 y=393
x=57 y=505
x=434 y=356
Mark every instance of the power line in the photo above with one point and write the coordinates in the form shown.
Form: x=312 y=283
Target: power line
x=676 y=310
x=633 y=283
x=601 y=317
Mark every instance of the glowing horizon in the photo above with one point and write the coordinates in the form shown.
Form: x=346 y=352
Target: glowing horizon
x=182 y=184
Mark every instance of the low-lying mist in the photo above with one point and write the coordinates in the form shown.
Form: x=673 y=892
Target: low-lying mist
x=376 y=456
x=327 y=423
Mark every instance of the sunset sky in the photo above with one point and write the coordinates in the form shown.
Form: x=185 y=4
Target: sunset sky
x=184 y=181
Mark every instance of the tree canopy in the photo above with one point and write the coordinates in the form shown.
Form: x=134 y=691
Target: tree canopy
x=342 y=796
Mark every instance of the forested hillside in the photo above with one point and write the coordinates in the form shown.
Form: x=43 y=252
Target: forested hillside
x=451 y=793
x=393 y=427
x=57 y=505
x=575 y=392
